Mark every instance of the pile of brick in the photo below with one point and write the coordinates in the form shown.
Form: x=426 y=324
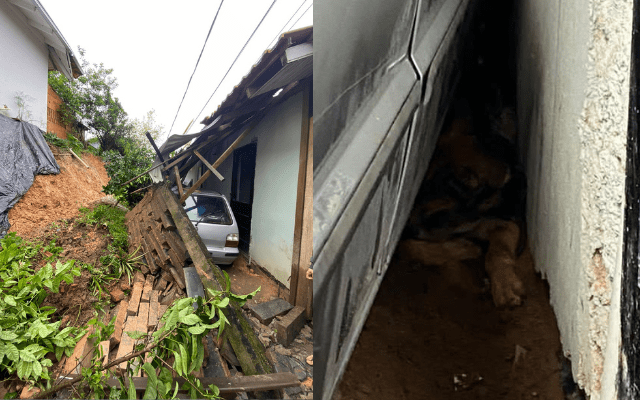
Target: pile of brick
x=140 y=311
x=152 y=232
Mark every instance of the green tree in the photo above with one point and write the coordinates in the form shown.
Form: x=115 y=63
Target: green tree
x=90 y=99
x=121 y=167
x=148 y=123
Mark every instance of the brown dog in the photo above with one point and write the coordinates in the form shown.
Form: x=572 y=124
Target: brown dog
x=470 y=196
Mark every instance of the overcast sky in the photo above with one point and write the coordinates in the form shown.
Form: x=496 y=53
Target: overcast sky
x=153 y=47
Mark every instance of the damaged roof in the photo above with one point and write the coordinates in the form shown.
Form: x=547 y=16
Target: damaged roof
x=61 y=57
x=281 y=67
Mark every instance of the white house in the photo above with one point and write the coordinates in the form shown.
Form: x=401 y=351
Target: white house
x=263 y=131
x=30 y=45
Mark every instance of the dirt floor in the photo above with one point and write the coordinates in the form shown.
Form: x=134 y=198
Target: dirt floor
x=427 y=338
x=55 y=197
x=247 y=278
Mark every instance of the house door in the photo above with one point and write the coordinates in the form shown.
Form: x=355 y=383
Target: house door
x=244 y=171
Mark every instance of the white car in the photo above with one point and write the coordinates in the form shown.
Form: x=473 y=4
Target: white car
x=211 y=215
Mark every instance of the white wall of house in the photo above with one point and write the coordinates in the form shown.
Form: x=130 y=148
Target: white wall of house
x=573 y=89
x=275 y=186
x=23 y=67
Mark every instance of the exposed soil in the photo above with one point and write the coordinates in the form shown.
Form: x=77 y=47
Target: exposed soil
x=424 y=331
x=55 y=197
x=247 y=278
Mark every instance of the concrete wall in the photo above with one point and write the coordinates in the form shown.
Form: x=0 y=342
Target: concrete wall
x=23 y=67
x=275 y=186
x=573 y=84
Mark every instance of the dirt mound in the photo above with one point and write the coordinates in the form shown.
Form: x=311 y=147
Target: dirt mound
x=55 y=197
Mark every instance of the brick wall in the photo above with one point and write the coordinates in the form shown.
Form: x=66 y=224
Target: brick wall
x=54 y=119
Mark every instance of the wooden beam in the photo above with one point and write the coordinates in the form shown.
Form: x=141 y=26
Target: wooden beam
x=297 y=264
x=227 y=385
x=219 y=161
x=206 y=163
x=76 y=156
x=153 y=143
x=244 y=341
x=171 y=163
x=178 y=180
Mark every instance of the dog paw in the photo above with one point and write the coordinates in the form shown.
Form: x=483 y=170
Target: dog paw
x=507 y=289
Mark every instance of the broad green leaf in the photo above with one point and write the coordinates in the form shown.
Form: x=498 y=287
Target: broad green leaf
x=196 y=361
x=132 y=390
x=196 y=330
x=6 y=335
x=185 y=359
x=59 y=351
x=27 y=356
x=20 y=369
x=10 y=300
x=12 y=352
x=37 y=369
x=151 y=392
x=175 y=392
x=190 y=319
x=224 y=302
x=177 y=364
x=215 y=390
x=136 y=334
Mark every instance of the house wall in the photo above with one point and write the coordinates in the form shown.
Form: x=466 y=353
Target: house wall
x=275 y=186
x=573 y=86
x=23 y=67
x=54 y=120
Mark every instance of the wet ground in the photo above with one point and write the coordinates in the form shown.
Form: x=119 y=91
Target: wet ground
x=428 y=338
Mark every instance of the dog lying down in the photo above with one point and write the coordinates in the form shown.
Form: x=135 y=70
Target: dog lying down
x=471 y=204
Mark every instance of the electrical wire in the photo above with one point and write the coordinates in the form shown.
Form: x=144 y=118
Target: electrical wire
x=196 y=67
x=305 y=11
x=285 y=25
x=236 y=59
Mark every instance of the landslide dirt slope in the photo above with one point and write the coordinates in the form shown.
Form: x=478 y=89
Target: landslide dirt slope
x=55 y=197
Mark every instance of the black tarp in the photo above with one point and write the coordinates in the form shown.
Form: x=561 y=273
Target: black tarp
x=23 y=154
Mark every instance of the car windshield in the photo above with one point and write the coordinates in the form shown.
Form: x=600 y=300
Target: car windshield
x=208 y=209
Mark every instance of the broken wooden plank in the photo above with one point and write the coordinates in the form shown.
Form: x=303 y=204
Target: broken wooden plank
x=216 y=164
x=76 y=156
x=227 y=385
x=177 y=278
x=178 y=180
x=209 y=166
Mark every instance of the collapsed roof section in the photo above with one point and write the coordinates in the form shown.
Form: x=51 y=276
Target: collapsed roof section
x=273 y=79
x=61 y=57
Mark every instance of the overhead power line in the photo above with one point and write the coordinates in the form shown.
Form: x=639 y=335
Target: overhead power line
x=305 y=11
x=196 y=67
x=286 y=23
x=236 y=59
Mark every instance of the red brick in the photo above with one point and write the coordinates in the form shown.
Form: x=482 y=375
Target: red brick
x=143 y=315
x=161 y=310
x=117 y=295
x=78 y=359
x=161 y=284
x=153 y=311
x=121 y=316
x=134 y=302
x=138 y=277
x=146 y=291
x=29 y=391
x=126 y=344
x=105 y=352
